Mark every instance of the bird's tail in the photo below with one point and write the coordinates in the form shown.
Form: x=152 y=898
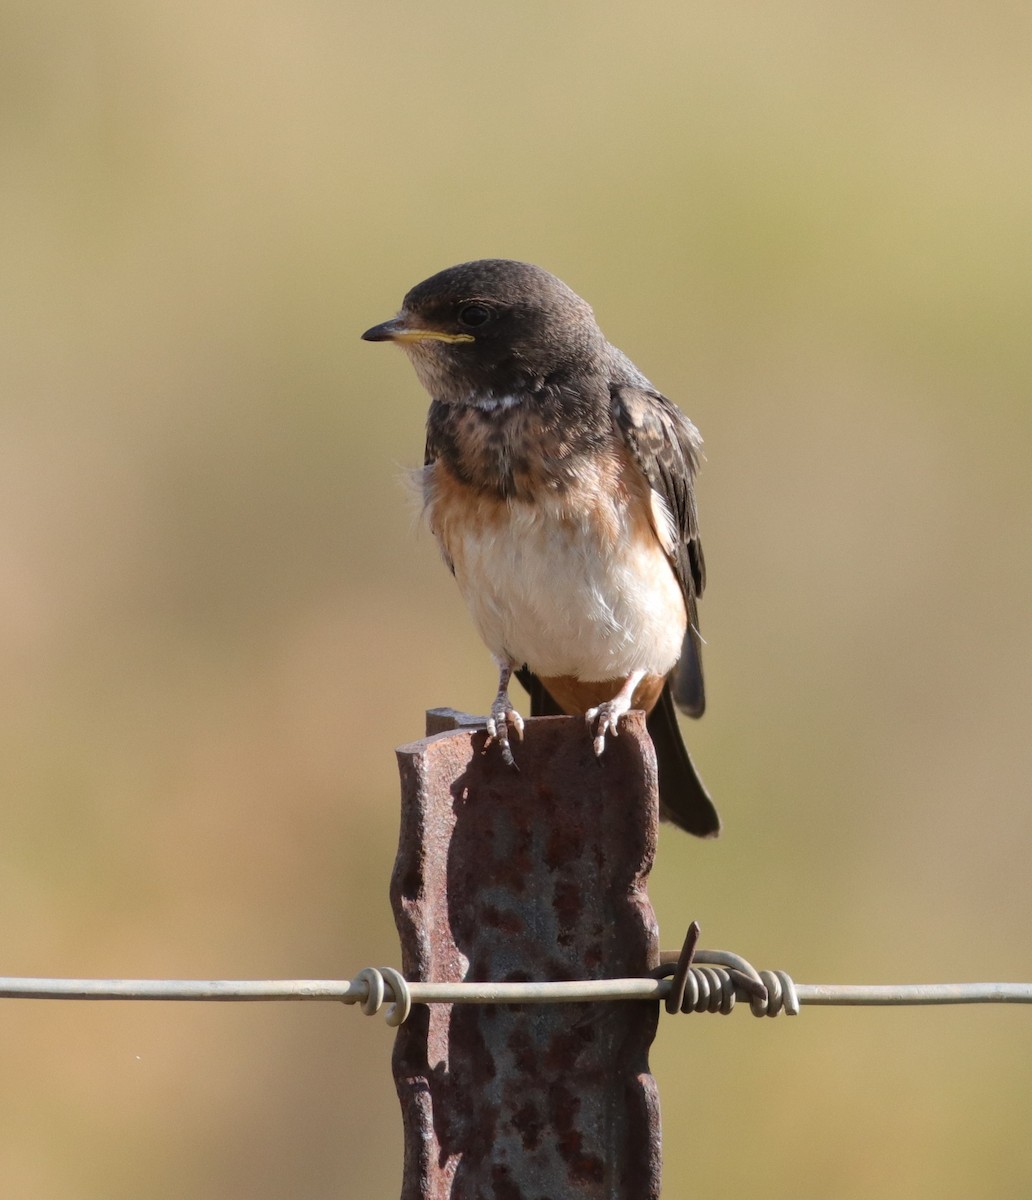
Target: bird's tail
x=683 y=798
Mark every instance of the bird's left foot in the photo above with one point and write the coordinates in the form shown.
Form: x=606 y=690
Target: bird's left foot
x=606 y=716
x=604 y=719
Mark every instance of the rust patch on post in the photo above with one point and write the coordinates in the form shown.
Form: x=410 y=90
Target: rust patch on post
x=537 y=875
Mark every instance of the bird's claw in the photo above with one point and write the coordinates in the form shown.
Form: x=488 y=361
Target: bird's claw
x=503 y=717
x=605 y=719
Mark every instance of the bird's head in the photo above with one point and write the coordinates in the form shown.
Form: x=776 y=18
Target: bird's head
x=489 y=326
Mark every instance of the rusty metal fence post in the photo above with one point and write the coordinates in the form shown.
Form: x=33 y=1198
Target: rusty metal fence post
x=537 y=875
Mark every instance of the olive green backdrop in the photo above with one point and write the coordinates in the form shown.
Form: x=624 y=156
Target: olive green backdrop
x=811 y=225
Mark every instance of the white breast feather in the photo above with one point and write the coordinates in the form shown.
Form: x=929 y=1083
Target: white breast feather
x=550 y=591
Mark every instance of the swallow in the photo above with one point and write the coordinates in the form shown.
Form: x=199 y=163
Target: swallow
x=559 y=484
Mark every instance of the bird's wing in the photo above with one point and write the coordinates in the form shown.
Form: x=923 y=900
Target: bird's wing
x=431 y=453
x=666 y=447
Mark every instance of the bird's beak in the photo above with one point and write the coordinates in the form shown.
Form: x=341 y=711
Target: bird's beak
x=401 y=329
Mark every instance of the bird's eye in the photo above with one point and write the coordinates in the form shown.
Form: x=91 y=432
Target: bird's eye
x=474 y=315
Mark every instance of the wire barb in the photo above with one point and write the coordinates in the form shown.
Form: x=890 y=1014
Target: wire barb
x=682 y=969
x=720 y=979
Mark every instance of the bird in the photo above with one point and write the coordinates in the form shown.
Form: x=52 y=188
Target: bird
x=559 y=484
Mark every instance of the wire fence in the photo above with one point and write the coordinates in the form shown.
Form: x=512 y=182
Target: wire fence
x=710 y=981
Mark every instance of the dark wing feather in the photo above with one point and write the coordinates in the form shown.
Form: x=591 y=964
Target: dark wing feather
x=666 y=447
x=431 y=453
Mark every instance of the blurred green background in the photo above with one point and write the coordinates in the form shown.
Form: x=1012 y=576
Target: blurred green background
x=811 y=225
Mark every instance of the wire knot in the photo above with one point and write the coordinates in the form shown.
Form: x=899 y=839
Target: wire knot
x=376 y=981
x=713 y=980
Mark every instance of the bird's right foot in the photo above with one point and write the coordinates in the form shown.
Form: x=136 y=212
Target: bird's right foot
x=504 y=717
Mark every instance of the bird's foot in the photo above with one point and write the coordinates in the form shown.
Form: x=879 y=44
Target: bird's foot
x=604 y=719
x=606 y=716
x=504 y=717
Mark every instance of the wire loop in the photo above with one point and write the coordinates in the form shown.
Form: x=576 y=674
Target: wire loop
x=376 y=981
x=781 y=996
x=398 y=1012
